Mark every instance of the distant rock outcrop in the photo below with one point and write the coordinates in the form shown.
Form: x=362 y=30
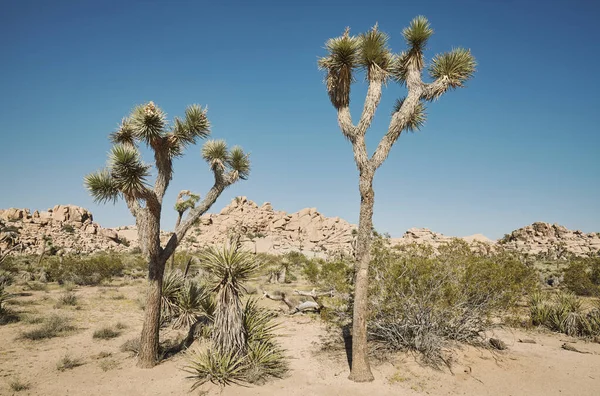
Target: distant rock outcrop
x=551 y=240
x=265 y=230
x=261 y=229
x=68 y=228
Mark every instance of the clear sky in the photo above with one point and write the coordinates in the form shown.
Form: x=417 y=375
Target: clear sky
x=519 y=144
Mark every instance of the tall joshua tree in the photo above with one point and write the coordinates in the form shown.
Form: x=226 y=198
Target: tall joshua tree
x=126 y=176
x=369 y=52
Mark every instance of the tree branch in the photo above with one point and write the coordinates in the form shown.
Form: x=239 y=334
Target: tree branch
x=401 y=118
x=370 y=106
x=221 y=182
x=435 y=89
x=164 y=166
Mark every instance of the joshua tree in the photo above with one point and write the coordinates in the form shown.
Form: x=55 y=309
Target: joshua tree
x=228 y=269
x=126 y=176
x=181 y=206
x=369 y=52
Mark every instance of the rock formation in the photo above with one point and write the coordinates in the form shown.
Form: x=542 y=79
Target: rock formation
x=551 y=240
x=261 y=229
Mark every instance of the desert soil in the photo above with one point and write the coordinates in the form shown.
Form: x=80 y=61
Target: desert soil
x=543 y=368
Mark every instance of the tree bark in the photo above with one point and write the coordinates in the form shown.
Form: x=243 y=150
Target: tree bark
x=148 y=356
x=149 y=220
x=360 y=369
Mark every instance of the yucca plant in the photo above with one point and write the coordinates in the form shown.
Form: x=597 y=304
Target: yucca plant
x=171 y=287
x=217 y=366
x=228 y=268
x=369 y=53
x=128 y=177
x=191 y=304
x=4 y=297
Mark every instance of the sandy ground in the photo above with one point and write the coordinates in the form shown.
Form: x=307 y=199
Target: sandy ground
x=543 y=368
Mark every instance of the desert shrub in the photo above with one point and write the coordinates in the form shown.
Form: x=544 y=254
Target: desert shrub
x=192 y=301
x=18 y=385
x=6 y=278
x=564 y=313
x=68 y=363
x=67 y=298
x=6 y=315
x=106 y=333
x=582 y=276
x=51 y=327
x=422 y=300
x=36 y=286
x=89 y=270
x=132 y=346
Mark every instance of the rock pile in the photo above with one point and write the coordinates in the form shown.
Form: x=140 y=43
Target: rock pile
x=551 y=240
x=68 y=228
x=265 y=230
x=261 y=229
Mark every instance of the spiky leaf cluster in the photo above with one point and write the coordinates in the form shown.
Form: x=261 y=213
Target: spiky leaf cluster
x=374 y=55
x=343 y=56
x=456 y=66
x=182 y=205
x=219 y=157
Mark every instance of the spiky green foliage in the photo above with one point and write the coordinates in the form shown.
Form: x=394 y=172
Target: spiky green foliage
x=189 y=203
x=4 y=297
x=128 y=172
x=195 y=126
x=457 y=66
x=217 y=366
x=342 y=57
x=148 y=122
x=374 y=54
x=564 y=313
x=191 y=304
x=125 y=134
x=239 y=163
x=102 y=187
x=228 y=268
x=417 y=33
x=263 y=359
x=171 y=287
x=418 y=117
x=215 y=153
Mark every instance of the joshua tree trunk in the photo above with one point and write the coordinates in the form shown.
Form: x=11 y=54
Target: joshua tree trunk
x=360 y=370
x=148 y=356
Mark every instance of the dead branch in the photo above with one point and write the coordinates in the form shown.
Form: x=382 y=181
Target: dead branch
x=303 y=306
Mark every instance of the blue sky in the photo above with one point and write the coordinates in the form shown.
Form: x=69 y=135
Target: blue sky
x=519 y=144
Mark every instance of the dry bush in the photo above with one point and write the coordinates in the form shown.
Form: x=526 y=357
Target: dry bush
x=66 y=298
x=106 y=333
x=18 y=385
x=51 y=327
x=68 y=363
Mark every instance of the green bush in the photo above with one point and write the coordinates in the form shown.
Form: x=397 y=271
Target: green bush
x=91 y=270
x=423 y=300
x=582 y=276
